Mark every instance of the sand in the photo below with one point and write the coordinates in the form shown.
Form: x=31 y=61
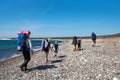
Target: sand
x=101 y=62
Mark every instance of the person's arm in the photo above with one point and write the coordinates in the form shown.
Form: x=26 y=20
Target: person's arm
x=30 y=45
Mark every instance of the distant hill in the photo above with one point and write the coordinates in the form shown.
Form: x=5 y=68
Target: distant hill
x=110 y=36
x=86 y=37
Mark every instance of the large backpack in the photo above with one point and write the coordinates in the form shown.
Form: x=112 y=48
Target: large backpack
x=93 y=35
x=22 y=41
x=44 y=44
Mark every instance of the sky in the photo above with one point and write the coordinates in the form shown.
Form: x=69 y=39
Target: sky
x=59 y=18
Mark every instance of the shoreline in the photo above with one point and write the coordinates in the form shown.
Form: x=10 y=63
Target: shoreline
x=14 y=58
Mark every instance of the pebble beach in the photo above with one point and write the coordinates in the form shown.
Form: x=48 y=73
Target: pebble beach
x=101 y=62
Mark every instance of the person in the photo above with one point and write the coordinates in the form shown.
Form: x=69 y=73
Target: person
x=93 y=36
x=46 y=50
x=74 y=43
x=55 y=48
x=79 y=44
x=26 y=50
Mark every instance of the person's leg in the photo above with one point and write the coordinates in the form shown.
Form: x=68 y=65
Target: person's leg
x=74 y=47
x=27 y=59
x=79 y=46
x=94 y=42
x=56 y=51
x=46 y=56
x=24 y=55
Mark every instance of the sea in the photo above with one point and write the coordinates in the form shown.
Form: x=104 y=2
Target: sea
x=8 y=48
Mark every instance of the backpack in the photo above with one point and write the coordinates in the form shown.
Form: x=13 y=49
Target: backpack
x=44 y=45
x=93 y=35
x=22 y=41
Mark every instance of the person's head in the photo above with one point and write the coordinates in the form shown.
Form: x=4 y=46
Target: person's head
x=49 y=39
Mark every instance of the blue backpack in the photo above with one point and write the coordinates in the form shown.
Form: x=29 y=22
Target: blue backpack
x=22 y=41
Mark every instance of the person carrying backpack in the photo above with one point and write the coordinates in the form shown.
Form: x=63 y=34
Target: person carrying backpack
x=45 y=46
x=93 y=36
x=47 y=49
x=26 y=48
x=55 y=48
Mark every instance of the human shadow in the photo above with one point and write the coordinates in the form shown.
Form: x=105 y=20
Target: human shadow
x=62 y=56
x=96 y=46
x=56 y=61
x=42 y=67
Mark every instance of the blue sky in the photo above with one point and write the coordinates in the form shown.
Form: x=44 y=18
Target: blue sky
x=51 y=18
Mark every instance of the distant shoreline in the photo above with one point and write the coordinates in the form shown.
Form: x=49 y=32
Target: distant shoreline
x=86 y=37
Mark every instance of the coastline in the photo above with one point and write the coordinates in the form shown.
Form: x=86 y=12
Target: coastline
x=92 y=63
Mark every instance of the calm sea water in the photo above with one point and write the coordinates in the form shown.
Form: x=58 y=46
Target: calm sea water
x=8 y=48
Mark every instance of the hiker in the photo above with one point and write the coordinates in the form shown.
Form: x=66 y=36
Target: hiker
x=93 y=36
x=74 y=43
x=55 y=48
x=79 y=44
x=26 y=48
x=45 y=46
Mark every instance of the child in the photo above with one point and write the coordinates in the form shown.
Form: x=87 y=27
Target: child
x=74 y=43
x=55 y=48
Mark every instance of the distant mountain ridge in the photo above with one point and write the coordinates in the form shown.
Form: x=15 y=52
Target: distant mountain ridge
x=98 y=36
x=110 y=36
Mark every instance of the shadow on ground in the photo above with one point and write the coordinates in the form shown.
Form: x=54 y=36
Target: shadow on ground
x=96 y=46
x=62 y=56
x=42 y=67
x=56 y=61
